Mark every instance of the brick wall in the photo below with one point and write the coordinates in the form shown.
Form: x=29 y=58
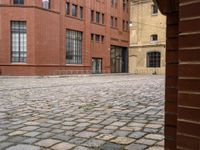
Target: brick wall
x=188 y=123
x=182 y=124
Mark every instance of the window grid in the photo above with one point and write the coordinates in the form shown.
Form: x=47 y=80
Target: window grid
x=73 y=47
x=153 y=59
x=21 y=2
x=18 y=41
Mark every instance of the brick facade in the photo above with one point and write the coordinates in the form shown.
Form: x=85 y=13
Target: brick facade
x=46 y=35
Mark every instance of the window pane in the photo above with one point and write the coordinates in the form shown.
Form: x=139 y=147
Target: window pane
x=153 y=59
x=18 y=41
x=73 y=47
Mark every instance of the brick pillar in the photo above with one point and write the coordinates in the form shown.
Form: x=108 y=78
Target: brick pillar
x=188 y=119
x=182 y=108
x=171 y=81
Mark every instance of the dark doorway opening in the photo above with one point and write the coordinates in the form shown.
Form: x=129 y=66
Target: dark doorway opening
x=119 y=59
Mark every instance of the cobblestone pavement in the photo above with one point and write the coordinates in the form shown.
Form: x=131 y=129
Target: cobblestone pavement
x=117 y=112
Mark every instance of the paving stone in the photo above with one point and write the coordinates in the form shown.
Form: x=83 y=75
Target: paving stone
x=45 y=135
x=121 y=133
x=111 y=146
x=105 y=137
x=150 y=130
x=4 y=145
x=29 y=128
x=155 y=148
x=63 y=146
x=47 y=142
x=161 y=143
x=154 y=126
x=23 y=147
x=86 y=134
x=93 y=143
x=119 y=124
x=122 y=140
x=3 y=138
x=70 y=133
x=154 y=136
x=61 y=137
x=81 y=148
x=30 y=140
x=146 y=141
x=17 y=139
x=137 y=135
x=32 y=134
x=17 y=133
x=135 y=147
x=77 y=141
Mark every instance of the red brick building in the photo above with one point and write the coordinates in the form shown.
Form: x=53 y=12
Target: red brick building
x=46 y=37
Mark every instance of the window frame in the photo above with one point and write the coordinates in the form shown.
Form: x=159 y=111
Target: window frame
x=20 y=42
x=153 y=8
x=74 y=10
x=18 y=2
x=74 y=47
x=153 y=59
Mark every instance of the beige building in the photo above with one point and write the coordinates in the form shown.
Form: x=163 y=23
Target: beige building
x=147 y=38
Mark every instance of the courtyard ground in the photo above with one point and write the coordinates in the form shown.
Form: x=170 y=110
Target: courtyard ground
x=112 y=112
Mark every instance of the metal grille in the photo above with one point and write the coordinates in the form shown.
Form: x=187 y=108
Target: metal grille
x=74 y=47
x=153 y=59
x=19 y=41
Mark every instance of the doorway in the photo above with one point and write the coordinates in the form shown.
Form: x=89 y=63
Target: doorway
x=96 y=65
x=119 y=59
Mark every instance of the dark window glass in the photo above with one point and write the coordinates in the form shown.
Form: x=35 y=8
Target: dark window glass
x=97 y=38
x=127 y=25
x=154 y=9
x=92 y=37
x=18 y=2
x=73 y=47
x=116 y=22
x=153 y=59
x=67 y=8
x=103 y=18
x=74 y=10
x=124 y=25
x=112 y=2
x=46 y=4
x=92 y=15
x=81 y=12
x=97 y=17
x=124 y=5
x=18 y=41
x=154 y=38
x=112 y=21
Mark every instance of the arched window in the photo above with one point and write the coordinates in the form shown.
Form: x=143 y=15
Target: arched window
x=153 y=59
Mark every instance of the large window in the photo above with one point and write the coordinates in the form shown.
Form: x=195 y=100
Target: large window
x=18 y=41
x=153 y=59
x=73 y=47
x=18 y=2
x=46 y=4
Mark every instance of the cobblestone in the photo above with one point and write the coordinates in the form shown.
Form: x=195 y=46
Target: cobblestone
x=112 y=112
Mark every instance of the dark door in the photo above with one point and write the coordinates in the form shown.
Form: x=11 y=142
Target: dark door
x=96 y=65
